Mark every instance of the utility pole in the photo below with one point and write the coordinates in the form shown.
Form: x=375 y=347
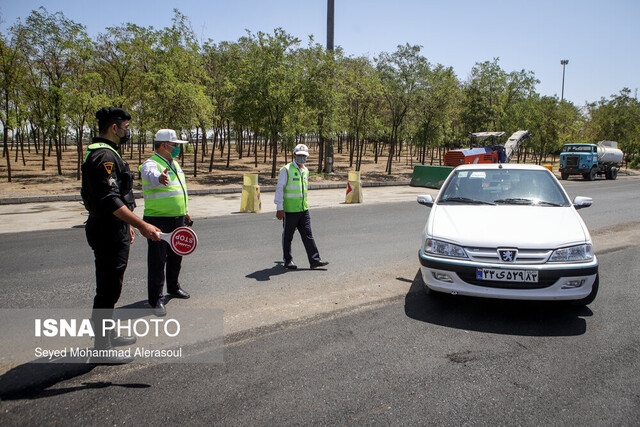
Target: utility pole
x=328 y=143
x=563 y=62
x=330 y=19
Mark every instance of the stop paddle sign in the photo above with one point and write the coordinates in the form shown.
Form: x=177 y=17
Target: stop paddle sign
x=183 y=240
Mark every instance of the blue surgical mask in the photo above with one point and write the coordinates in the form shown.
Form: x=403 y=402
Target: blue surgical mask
x=301 y=160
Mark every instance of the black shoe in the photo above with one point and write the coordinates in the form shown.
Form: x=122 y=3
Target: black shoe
x=159 y=309
x=317 y=264
x=290 y=265
x=180 y=293
x=121 y=340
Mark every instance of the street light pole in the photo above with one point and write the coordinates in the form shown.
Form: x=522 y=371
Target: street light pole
x=563 y=62
x=330 y=21
x=326 y=144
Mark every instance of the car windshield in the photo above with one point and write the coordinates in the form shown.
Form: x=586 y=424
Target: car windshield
x=503 y=187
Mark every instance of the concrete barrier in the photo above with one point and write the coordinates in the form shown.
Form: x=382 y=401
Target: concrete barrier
x=354 y=188
x=250 y=194
x=429 y=176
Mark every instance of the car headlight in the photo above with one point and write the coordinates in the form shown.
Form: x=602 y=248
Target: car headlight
x=580 y=253
x=437 y=247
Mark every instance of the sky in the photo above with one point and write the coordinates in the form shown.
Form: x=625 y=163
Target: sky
x=600 y=38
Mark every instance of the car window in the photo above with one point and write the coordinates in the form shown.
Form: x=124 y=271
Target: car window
x=503 y=186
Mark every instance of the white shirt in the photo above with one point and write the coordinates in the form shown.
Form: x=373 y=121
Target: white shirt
x=151 y=173
x=283 y=177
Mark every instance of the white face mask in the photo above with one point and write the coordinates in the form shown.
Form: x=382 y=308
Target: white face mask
x=301 y=160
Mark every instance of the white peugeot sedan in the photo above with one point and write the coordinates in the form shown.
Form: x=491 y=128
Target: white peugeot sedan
x=507 y=231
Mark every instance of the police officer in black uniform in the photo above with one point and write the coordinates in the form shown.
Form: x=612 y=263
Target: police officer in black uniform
x=107 y=194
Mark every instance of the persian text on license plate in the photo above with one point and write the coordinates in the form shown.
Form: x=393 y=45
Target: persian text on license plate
x=500 y=275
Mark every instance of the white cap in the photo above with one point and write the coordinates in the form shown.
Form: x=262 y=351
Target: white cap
x=301 y=150
x=168 y=135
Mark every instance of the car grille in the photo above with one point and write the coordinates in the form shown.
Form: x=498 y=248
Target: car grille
x=524 y=257
x=572 y=161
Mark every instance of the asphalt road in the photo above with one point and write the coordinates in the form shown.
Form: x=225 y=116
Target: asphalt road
x=358 y=343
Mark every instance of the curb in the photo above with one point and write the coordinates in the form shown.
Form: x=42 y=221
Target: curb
x=197 y=192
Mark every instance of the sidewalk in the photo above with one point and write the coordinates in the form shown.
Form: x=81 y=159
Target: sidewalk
x=49 y=213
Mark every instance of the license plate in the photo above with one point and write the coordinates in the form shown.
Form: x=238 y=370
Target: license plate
x=500 y=275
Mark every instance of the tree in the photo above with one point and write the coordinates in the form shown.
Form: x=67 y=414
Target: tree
x=616 y=119
x=271 y=78
x=436 y=100
x=9 y=74
x=318 y=79
x=399 y=76
x=53 y=45
x=360 y=90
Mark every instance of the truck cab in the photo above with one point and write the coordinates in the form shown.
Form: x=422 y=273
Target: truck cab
x=578 y=159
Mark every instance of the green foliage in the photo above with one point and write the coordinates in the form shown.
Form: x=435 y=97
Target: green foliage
x=53 y=77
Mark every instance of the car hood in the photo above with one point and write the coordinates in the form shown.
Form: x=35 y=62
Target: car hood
x=535 y=227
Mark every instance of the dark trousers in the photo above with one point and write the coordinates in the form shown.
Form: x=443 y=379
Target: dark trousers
x=162 y=262
x=302 y=222
x=110 y=241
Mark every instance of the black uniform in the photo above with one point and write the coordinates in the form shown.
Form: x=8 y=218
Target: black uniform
x=107 y=186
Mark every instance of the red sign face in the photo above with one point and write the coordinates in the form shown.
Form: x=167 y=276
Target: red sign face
x=183 y=241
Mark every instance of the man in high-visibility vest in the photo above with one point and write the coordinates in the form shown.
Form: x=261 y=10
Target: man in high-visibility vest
x=166 y=206
x=292 y=207
x=106 y=193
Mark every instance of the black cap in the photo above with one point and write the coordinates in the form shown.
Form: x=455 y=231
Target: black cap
x=112 y=114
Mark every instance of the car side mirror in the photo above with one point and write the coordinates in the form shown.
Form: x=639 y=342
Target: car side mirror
x=426 y=200
x=582 y=202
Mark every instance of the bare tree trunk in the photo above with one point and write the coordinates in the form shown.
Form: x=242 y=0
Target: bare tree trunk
x=59 y=152
x=228 y=143
x=213 y=148
x=6 y=151
x=255 y=150
x=274 y=146
x=195 y=153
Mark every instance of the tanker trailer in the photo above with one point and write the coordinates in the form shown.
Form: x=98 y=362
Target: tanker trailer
x=589 y=160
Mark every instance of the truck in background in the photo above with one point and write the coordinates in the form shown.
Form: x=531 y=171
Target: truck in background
x=589 y=160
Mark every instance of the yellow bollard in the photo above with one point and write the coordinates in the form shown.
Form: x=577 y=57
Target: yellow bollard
x=250 y=194
x=550 y=167
x=354 y=189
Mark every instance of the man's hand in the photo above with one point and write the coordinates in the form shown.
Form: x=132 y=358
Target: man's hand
x=280 y=215
x=132 y=234
x=164 y=177
x=150 y=231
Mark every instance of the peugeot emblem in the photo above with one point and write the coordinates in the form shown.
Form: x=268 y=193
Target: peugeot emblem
x=508 y=255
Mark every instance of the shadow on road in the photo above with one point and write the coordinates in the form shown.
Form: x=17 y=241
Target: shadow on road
x=266 y=274
x=31 y=380
x=525 y=318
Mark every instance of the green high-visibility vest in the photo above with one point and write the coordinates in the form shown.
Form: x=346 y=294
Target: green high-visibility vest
x=164 y=201
x=97 y=145
x=295 y=192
